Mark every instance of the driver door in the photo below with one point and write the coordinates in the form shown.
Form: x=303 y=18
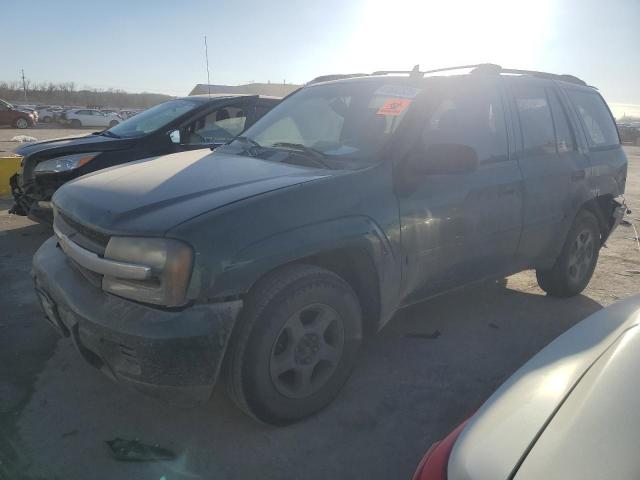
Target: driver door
x=457 y=228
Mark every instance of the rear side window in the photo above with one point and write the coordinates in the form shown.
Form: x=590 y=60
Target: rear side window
x=598 y=124
x=472 y=115
x=564 y=135
x=536 y=123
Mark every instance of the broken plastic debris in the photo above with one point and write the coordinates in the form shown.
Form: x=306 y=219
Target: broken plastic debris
x=136 y=451
x=24 y=139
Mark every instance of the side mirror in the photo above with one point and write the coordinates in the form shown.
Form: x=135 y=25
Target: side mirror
x=174 y=136
x=445 y=159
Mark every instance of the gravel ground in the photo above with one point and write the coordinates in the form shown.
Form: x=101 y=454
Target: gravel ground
x=431 y=366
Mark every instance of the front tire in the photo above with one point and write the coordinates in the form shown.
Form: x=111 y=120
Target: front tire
x=295 y=345
x=75 y=123
x=46 y=119
x=574 y=267
x=113 y=123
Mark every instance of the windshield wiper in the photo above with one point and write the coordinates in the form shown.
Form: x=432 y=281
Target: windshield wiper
x=315 y=155
x=248 y=140
x=107 y=133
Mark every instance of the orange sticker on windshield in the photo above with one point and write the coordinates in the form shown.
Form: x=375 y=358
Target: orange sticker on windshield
x=394 y=106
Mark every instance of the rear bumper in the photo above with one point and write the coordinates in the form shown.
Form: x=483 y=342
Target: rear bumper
x=617 y=215
x=173 y=355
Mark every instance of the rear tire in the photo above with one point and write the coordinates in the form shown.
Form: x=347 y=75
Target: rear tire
x=46 y=119
x=75 y=123
x=574 y=267
x=295 y=344
x=21 y=123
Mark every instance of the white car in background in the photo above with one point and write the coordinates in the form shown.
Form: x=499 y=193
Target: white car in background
x=48 y=114
x=570 y=413
x=90 y=118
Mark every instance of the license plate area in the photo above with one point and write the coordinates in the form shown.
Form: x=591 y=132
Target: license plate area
x=51 y=312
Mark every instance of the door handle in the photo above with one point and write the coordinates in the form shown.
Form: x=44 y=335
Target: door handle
x=578 y=175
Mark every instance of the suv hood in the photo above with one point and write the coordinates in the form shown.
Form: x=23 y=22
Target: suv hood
x=89 y=143
x=153 y=195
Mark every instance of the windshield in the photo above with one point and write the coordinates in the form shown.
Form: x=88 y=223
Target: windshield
x=152 y=119
x=348 y=120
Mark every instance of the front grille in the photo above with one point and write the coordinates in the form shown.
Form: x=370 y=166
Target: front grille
x=94 y=237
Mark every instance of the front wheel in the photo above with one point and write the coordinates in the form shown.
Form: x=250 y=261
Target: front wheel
x=295 y=346
x=113 y=123
x=574 y=267
x=75 y=123
x=46 y=119
x=22 y=123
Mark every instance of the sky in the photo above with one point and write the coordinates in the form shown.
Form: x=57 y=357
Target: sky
x=158 y=45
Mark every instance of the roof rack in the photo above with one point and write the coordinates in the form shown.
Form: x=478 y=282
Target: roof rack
x=336 y=76
x=484 y=68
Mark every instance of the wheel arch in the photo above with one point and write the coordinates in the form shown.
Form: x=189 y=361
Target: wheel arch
x=353 y=248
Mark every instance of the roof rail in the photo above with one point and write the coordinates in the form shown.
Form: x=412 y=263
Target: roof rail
x=486 y=68
x=336 y=76
x=554 y=76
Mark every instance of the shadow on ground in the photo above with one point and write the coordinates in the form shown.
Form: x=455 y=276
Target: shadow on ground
x=431 y=366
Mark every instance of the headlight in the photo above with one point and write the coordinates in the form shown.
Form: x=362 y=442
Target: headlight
x=170 y=260
x=65 y=163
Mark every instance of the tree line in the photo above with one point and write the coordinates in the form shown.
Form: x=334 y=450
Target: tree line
x=67 y=93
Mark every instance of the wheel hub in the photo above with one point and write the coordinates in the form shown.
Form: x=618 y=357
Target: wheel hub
x=307 y=349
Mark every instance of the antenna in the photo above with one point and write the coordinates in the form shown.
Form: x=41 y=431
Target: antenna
x=206 y=56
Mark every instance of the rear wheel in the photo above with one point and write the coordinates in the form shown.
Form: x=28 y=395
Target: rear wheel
x=574 y=267
x=75 y=123
x=295 y=345
x=47 y=119
x=21 y=123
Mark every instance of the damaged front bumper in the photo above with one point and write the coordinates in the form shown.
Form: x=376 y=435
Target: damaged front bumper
x=173 y=355
x=36 y=207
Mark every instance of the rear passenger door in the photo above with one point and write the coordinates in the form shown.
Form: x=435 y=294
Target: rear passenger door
x=553 y=168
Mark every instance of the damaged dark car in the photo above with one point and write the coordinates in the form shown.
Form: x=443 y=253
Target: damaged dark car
x=268 y=261
x=187 y=123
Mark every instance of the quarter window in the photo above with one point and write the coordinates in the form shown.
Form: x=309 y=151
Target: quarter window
x=564 y=137
x=535 y=120
x=598 y=124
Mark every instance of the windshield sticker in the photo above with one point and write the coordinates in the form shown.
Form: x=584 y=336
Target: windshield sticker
x=393 y=107
x=397 y=91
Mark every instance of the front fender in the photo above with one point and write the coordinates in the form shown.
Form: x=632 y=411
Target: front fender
x=262 y=256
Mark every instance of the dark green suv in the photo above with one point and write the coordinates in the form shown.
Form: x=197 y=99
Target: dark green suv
x=269 y=260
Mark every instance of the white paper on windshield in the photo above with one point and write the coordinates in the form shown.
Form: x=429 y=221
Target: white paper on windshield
x=398 y=91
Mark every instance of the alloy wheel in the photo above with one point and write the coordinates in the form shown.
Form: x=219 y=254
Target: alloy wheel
x=307 y=351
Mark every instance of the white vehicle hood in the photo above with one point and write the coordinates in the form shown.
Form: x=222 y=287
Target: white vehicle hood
x=500 y=435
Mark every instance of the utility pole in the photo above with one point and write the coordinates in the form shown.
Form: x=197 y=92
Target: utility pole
x=24 y=85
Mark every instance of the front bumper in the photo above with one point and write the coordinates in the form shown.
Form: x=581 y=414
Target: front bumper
x=173 y=355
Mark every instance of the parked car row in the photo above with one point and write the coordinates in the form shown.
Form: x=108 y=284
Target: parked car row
x=629 y=133
x=75 y=117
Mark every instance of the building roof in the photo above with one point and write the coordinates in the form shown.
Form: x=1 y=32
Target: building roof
x=269 y=89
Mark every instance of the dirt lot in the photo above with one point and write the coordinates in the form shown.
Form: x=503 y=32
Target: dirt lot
x=40 y=132
x=431 y=366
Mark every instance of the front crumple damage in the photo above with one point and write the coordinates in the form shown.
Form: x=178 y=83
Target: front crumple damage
x=172 y=354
